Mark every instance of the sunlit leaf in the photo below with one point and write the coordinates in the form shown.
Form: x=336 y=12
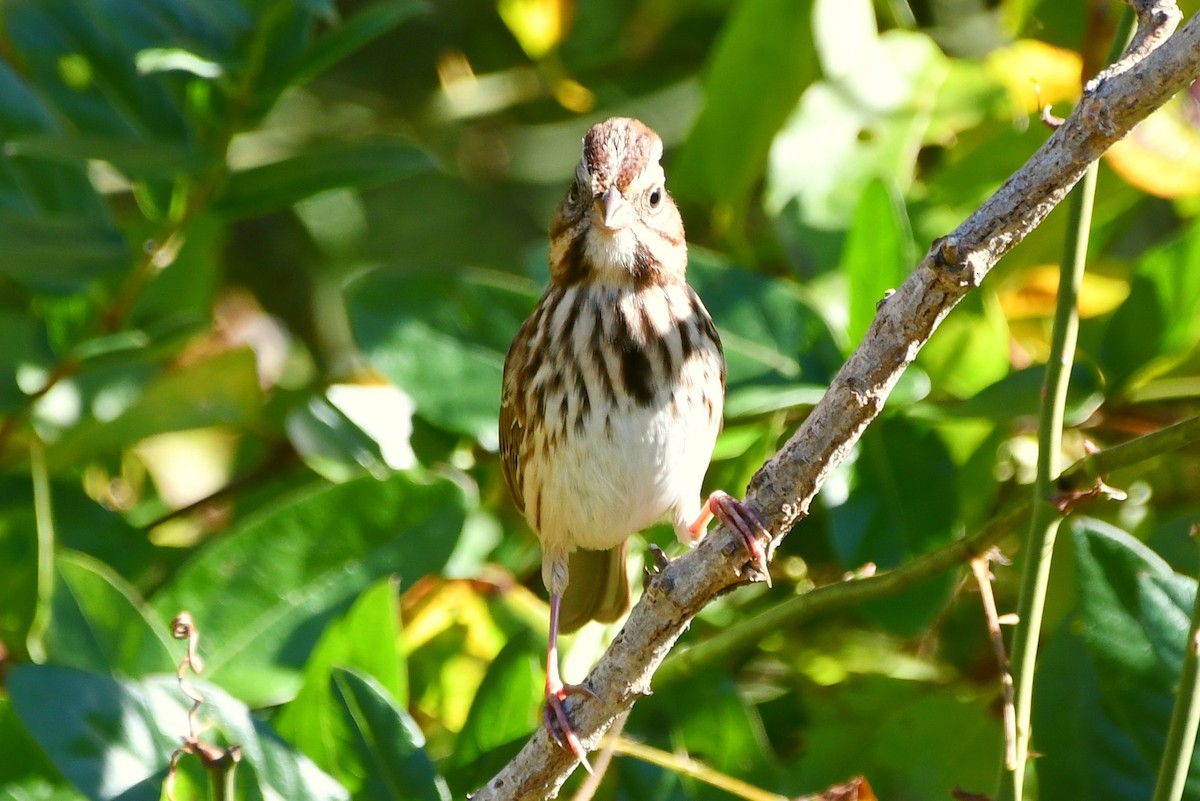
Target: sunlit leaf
x=727 y=148
x=1161 y=155
x=366 y=639
x=386 y=743
x=114 y=739
x=261 y=593
x=503 y=714
x=99 y=624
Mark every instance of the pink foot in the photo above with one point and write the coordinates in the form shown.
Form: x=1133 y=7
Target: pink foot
x=558 y=723
x=742 y=519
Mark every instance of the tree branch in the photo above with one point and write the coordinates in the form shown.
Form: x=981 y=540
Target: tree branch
x=1153 y=69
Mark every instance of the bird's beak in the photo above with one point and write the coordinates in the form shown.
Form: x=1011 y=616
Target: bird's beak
x=615 y=211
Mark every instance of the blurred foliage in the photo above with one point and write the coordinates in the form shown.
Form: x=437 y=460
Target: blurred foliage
x=260 y=262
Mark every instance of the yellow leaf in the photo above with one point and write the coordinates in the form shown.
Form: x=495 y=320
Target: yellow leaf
x=1161 y=155
x=538 y=25
x=1036 y=292
x=1031 y=69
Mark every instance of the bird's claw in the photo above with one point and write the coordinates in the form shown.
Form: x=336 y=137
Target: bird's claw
x=743 y=520
x=558 y=723
x=658 y=563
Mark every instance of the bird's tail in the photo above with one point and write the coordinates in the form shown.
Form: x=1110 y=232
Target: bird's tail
x=598 y=588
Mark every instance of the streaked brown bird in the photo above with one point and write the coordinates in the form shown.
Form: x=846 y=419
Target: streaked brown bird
x=613 y=393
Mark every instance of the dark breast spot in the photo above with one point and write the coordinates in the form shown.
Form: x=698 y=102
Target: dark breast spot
x=637 y=372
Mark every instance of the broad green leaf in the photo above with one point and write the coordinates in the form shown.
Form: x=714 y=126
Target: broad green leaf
x=878 y=254
x=774 y=340
x=1018 y=394
x=263 y=592
x=1101 y=710
x=222 y=390
x=450 y=356
x=366 y=639
x=347 y=37
x=83 y=67
x=98 y=623
x=354 y=429
x=356 y=164
x=969 y=350
x=385 y=743
x=134 y=159
x=885 y=728
x=1159 y=323
x=23 y=760
x=37 y=789
x=503 y=714
x=724 y=731
x=763 y=45
x=114 y=739
x=60 y=254
x=903 y=502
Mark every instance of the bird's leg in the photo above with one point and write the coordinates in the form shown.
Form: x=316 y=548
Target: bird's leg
x=741 y=519
x=554 y=714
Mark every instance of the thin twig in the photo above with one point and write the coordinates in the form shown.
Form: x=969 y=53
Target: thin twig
x=981 y=568
x=683 y=765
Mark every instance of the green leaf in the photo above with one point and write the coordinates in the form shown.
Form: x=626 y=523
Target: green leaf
x=60 y=254
x=385 y=742
x=1159 y=323
x=261 y=594
x=1102 y=715
x=503 y=714
x=763 y=45
x=98 y=623
x=879 y=252
x=867 y=119
x=970 y=349
x=348 y=37
x=1018 y=394
x=134 y=159
x=367 y=639
x=773 y=338
x=902 y=502
x=355 y=164
x=449 y=356
x=724 y=731
x=18 y=564
x=89 y=724
x=883 y=728
x=23 y=760
x=222 y=390
x=354 y=429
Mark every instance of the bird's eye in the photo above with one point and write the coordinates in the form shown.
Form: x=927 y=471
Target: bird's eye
x=656 y=196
